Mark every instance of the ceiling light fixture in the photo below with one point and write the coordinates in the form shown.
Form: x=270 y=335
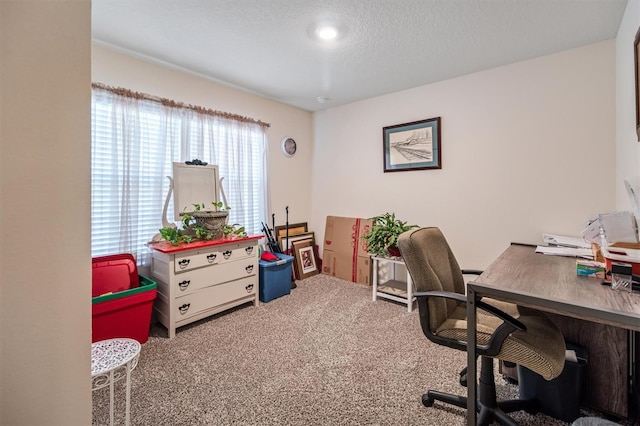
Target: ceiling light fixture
x=327 y=33
x=322 y=99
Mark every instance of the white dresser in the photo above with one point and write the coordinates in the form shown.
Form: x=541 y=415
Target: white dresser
x=203 y=278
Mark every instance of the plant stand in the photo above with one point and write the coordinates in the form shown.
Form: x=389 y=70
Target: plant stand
x=396 y=290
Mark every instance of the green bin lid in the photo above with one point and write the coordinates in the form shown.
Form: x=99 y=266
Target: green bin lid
x=146 y=284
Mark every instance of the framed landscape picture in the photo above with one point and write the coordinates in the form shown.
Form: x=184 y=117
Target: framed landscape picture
x=412 y=146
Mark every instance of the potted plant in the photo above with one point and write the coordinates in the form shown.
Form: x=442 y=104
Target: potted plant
x=201 y=224
x=382 y=240
x=207 y=221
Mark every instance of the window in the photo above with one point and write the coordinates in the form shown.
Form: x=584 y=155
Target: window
x=135 y=140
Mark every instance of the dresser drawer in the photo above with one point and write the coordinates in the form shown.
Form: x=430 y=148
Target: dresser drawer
x=193 y=303
x=196 y=259
x=239 y=251
x=214 y=255
x=196 y=279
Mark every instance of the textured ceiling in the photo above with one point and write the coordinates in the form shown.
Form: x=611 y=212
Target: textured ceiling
x=265 y=47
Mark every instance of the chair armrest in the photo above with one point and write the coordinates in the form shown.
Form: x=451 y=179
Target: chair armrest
x=508 y=326
x=472 y=272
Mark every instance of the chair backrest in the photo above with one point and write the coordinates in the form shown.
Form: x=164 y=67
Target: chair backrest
x=433 y=267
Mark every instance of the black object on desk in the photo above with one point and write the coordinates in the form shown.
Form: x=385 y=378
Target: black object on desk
x=635 y=285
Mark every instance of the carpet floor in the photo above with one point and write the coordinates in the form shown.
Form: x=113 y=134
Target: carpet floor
x=324 y=355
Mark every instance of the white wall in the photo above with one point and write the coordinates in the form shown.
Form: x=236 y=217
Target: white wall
x=45 y=308
x=526 y=148
x=290 y=178
x=627 y=145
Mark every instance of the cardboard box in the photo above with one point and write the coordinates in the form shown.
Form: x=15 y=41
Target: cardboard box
x=345 y=253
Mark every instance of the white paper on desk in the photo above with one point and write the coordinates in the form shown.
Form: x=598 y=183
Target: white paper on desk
x=619 y=227
x=566 y=251
x=565 y=241
x=592 y=232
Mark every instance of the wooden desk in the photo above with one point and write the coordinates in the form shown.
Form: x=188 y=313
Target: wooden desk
x=547 y=283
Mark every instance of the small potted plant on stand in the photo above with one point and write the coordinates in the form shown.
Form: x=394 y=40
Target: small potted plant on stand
x=382 y=240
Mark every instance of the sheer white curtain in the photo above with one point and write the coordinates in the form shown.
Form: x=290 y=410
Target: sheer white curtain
x=134 y=143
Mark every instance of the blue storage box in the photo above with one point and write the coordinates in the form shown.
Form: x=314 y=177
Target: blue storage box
x=275 y=278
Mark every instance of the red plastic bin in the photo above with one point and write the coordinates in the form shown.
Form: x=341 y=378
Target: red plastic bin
x=125 y=313
x=628 y=253
x=113 y=273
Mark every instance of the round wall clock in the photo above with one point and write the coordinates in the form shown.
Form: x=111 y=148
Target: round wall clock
x=289 y=147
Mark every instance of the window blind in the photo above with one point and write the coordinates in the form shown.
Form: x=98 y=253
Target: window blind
x=133 y=145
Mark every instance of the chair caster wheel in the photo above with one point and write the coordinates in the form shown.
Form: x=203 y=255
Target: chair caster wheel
x=463 y=381
x=426 y=401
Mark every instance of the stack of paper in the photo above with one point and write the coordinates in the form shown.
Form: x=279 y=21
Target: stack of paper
x=562 y=245
x=566 y=251
x=564 y=241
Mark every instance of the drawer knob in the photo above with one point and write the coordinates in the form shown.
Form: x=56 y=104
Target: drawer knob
x=249 y=269
x=249 y=288
x=211 y=257
x=184 y=308
x=184 y=284
x=249 y=250
x=227 y=254
x=184 y=263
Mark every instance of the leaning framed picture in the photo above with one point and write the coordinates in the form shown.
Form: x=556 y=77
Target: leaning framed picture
x=302 y=236
x=304 y=259
x=412 y=146
x=296 y=228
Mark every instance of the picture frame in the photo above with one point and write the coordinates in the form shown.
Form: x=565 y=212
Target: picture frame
x=296 y=228
x=304 y=259
x=282 y=241
x=636 y=56
x=412 y=146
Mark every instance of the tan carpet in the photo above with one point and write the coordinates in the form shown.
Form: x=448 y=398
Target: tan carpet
x=324 y=355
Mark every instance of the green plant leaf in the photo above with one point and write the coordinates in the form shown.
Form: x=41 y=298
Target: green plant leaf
x=384 y=233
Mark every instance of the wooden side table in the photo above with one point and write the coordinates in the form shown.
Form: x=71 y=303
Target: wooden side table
x=113 y=360
x=396 y=290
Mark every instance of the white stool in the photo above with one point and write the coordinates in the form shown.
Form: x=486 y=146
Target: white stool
x=111 y=361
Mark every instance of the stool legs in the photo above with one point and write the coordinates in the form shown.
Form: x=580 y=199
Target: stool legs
x=113 y=360
x=128 y=394
x=111 y=392
x=112 y=381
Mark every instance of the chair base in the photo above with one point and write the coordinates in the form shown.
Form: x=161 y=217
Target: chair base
x=488 y=408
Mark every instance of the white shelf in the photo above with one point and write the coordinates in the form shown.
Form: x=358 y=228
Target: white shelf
x=393 y=289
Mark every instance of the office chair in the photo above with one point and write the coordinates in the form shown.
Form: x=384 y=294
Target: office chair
x=504 y=331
